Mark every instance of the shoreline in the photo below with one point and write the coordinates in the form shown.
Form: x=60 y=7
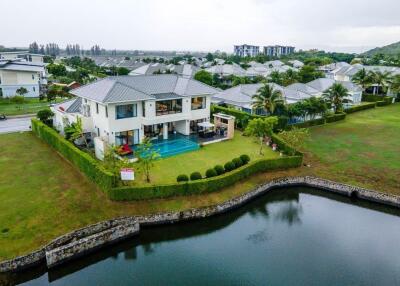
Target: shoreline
x=83 y=241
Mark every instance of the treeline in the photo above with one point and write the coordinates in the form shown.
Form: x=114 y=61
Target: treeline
x=52 y=49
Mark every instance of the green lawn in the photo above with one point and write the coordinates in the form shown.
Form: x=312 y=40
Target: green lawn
x=364 y=149
x=42 y=196
x=166 y=170
x=32 y=105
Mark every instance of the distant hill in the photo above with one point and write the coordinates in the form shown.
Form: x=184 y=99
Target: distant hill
x=392 y=49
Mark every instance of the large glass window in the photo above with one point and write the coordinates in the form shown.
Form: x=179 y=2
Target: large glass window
x=129 y=137
x=164 y=107
x=198 y=102
x=126 y=111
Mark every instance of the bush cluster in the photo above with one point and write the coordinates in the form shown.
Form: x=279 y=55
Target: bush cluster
x=195 y=176
x=205 y=185
x=219 y=169
x=211 y=173
x=335 y=117
x=182 y=178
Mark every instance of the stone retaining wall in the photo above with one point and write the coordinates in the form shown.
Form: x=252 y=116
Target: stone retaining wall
x=87 y=239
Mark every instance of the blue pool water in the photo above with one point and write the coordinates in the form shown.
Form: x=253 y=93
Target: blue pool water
x=175 y=146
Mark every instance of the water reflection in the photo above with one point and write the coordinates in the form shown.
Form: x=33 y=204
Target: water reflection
x=259 y=225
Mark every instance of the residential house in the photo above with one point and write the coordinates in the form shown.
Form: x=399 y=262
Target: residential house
x=296 y=63
x=22 y=55
x=185 y=70
x=18 y=73
x=227 y=70
x=125 y=109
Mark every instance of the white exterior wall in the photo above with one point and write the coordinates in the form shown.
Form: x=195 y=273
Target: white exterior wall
x=109 y=125
x=10 y=81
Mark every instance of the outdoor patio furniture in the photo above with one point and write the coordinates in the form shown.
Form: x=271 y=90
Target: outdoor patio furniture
x=125 y=150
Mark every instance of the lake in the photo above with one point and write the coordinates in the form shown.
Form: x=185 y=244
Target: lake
x=296 y=236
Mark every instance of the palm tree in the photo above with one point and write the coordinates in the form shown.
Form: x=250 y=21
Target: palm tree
x=396 y=84
x=75 y=131
x=382 y=79
x=267 y=98
x=362 y=78
x=336 y=95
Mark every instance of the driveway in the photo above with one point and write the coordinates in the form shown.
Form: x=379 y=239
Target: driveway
x=15 y=124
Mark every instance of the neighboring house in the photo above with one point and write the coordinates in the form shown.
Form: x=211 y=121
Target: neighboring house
x=241 y=97
x=346 y=73
x=296 y=63
x=125 y=109
x=246 y=50
x=185 y=70
x=277 y=51
x=21 y=55
x=323 y=84
x=66 y=113
x=267 y=68
x=18 y=73
x=227 y=70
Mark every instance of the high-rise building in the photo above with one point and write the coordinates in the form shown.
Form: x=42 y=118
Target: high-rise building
x=277 y=51
x=246 y=50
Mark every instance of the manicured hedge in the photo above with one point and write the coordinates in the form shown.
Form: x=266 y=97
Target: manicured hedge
x=85 y=163
x=283 y=146
x=335 y=117
x=383 y=102
x=309 y=123
x=375 y=98
x=360 y=107
x=205 y=185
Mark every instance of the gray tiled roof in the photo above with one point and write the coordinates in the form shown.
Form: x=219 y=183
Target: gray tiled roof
x=75 y=106
x=322 y=84
x=141 y=87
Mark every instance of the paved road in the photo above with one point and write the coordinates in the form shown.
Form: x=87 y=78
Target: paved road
x=15 y=125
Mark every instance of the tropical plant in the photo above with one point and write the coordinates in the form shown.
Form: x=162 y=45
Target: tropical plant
x=362 y=78
x=267 y=98
x=395 y=86
x=146 y=155
x=44 y=115
x=335 y=96
x=295 y=138
x=314 y=106
x=75 y=131
x=21 y=91
x=381 y=79
x=260 y=128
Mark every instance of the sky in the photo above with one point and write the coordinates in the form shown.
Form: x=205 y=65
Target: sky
x=202 y=25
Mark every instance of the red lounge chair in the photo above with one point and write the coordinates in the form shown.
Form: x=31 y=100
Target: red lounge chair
x=125 y=150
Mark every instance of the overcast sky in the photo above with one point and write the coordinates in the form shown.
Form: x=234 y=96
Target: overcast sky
x=202 y=25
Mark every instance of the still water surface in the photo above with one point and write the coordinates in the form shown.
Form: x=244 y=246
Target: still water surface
x=295 y=236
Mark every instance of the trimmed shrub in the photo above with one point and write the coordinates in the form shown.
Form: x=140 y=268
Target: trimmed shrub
x=229 y=166
x=211 y=173
x=182 y=178
x=245 y=159
x=383 y=103
x=238 y=162
x=207 y=185
x=219 y=169
x=195 y=176
x=335 y=117
x=360 y=107
x=283 y=146
x=83 y=161
x=375 y=98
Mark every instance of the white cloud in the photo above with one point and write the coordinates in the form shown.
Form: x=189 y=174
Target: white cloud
x=202 y=24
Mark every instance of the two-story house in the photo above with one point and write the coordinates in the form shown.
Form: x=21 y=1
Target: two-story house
x=21 y=70
x=125 y=109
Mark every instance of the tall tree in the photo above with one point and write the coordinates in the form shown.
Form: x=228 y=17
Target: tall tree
x=260 y=128
x=336 y=96
x=381 y=79
x=147 y=155
x=267 y=98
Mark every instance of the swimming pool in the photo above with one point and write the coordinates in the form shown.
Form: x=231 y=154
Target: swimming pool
x=175 y=146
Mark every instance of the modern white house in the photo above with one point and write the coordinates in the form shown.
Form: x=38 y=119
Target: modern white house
x=18 y=73
x=125 y=109
x=224 y=70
